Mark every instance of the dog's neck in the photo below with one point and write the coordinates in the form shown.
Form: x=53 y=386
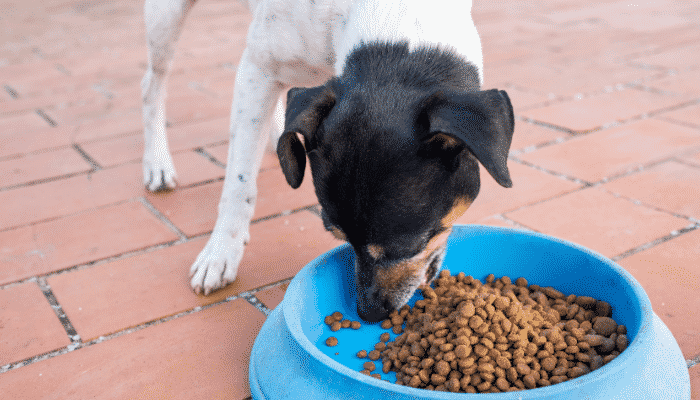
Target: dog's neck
x=415 y=22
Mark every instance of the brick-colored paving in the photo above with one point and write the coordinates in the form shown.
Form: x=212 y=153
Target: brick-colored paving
x=94 y=291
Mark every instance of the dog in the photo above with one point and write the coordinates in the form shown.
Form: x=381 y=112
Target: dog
x=384 y=99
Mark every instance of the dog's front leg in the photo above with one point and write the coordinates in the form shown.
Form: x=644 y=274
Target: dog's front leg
x=254 y=98
x=164 y=20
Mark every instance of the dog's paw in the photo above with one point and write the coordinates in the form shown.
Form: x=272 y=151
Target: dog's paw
x=159 y=172
x=217 y=264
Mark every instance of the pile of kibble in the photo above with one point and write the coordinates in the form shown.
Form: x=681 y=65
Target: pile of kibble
x=469 y=337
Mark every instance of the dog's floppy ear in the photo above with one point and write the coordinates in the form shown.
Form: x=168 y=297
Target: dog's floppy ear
x=306 y=109
x=482 y=121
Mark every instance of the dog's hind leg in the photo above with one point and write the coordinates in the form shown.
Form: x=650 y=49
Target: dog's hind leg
x=255 y=96
x=164 y=20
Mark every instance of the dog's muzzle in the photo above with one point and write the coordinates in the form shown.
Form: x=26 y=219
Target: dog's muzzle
x=375 y=303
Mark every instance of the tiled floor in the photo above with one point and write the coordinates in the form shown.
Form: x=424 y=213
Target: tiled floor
x=94 y=294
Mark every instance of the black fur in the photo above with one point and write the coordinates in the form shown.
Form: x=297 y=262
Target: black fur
x=392 y=143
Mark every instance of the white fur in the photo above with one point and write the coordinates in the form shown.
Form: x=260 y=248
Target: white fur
x=290 y=43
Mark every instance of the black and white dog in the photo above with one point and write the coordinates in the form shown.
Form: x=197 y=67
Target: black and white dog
x=384 y=99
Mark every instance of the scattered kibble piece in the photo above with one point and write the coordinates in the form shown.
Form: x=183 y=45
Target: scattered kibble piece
x=331 y=341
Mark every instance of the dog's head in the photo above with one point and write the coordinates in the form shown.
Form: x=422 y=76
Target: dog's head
x=394 y=163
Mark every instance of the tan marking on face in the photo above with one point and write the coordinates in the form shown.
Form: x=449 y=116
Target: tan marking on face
x=393 y=277
x=375 y=251
x=446 y=140
x=435 y=243
x=458 y=208
x=339 y=234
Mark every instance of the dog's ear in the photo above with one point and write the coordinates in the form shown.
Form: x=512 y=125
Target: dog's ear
x=306 y=109
x=480 y=121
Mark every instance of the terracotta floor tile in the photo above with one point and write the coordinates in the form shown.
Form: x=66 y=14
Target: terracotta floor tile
x=269 y=161
x=493 y=221
x=529 y=186
x=670 y=186
x=28 y=325
x=280 y=247
x=67 y=196
x=641 y=17
x=683 y=58
x=523 y=99
x=552 y=77
x=80 y=238
x=157 y=284
x=120 y=123
x=594 y=112
x=681 y=83
x=65 y=99
x=670 y=275
x=11 y=125
x=597 y=220
x=527 y=134
x=182 y=137
x=36 y=139
x=688 y=115
x=81 y=110
x=613 y=151
x=204 y=355
x=22 y=77
x=273 y=296
x=194 y=210
x=35 y=167
x=694 y=383
x=107 y=186
x=691 y=158
x=196 y=107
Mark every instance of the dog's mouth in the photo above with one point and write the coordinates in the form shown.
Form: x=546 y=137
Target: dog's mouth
x=434 y=264
x=375 y=302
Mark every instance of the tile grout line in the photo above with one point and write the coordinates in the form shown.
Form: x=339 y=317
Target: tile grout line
x=162 y=218
x=93 y=263
x=565 y=177
x=58 y=310
x=255 y=302
x=45 y=180
x=86 y=157
x=11 y=91
x=693 y=361
x=515 y=223
x=77 y=343
x=45 y=117
x=72 y=214
x=208 y=156
x=655 y=242
x=611 y=124
x=136 y=252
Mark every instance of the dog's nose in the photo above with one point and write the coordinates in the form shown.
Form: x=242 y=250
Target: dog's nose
x=371 y=314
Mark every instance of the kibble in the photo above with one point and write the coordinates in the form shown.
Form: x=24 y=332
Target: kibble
x=331 y=341
x=504 y=335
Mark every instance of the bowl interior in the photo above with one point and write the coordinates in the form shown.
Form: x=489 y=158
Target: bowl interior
x=328 y=286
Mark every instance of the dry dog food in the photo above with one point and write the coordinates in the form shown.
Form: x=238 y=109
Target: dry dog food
x=335 y=321
x=469 y=337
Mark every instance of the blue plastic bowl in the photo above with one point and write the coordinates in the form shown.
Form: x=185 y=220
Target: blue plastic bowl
x=291 y=361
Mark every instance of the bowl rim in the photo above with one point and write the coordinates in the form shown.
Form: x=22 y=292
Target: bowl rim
x=295 y=329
